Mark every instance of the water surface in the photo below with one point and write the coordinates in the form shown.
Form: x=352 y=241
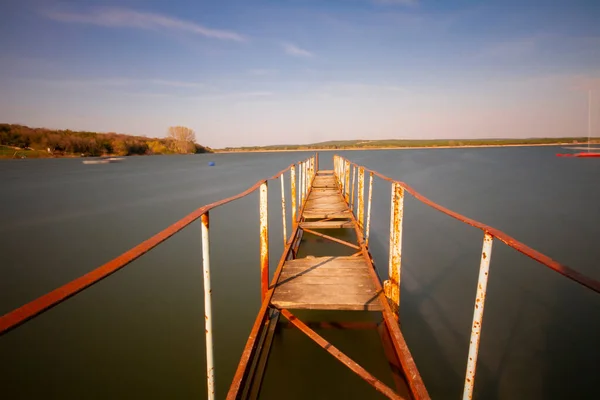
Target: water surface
x=139 y=333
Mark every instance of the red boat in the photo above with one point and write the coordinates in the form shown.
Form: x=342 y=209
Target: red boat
x=579 y=155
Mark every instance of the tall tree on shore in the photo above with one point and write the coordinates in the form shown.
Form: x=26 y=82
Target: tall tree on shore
x=183 y=139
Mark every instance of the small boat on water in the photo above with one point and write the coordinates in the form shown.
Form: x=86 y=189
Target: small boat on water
x=104 y=160
x=584 y=155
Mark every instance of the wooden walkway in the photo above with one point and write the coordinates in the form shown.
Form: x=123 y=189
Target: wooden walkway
x=326 y=283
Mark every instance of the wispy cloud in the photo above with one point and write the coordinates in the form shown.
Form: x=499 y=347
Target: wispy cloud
x=235 y=95
x=511 y=48
x=396 y=2
x=124 y=82
x=263 y=72
x=296 y=51
x=359 y=89
x=121 y=17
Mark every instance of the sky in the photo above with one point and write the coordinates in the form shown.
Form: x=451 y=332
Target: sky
x=242 y=72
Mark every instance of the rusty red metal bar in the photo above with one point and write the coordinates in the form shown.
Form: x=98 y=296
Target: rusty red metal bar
x=413 y=377
x=264 y=239
x=342 y=325
x=35 y=307
x=247 y=353
x=333 y=239
x=503 y=237
x=344 y=359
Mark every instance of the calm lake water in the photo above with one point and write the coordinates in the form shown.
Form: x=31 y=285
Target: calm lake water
x=139 y=333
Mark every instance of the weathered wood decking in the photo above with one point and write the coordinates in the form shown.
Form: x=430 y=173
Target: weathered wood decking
x=326 y=283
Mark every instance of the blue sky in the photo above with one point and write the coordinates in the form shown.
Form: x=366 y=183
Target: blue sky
x=300 y=71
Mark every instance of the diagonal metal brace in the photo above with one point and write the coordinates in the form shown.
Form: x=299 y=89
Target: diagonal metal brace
x=344 y=359
x=333 y=239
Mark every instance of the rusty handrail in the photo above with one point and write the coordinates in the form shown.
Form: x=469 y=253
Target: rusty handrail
x=503 y=237
x=342 y=167
x=43 y=303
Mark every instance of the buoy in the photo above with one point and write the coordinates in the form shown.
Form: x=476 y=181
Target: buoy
x=211 y=163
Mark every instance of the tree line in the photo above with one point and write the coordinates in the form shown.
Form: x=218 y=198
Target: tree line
x=179 y=140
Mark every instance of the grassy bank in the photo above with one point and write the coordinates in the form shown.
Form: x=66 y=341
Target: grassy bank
x=19 y=141
x=407 y=144
x=15 y=152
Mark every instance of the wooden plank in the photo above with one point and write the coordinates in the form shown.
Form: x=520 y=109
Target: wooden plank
x=326 y=262
x=297 y=273
x=362 y=281
x=343 y=305
x=329 y=209
x=325 y=198
x=326 y=283
x=321 y=215
x=327 y=224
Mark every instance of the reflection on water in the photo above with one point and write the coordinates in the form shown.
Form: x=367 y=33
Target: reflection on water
x=139 y=333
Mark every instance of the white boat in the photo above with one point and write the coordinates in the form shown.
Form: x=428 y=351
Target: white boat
x=96 y=162
x=104 y=160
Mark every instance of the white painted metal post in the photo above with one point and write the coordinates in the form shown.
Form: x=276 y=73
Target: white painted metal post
x=347 y=181
x=264 y=239
x=336 y=169
x=283 y=216
x=353 y=184
x=392 y=230
x=368 y=228
x=361 y=198
x=484 y=268
x=293 y=192
x=210 y=368
x=300 y=185
x=340 y=173
x=304 y=180
x=391 y=287
x=312 y=170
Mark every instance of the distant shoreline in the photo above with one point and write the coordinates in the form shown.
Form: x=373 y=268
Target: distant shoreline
x=396 y=148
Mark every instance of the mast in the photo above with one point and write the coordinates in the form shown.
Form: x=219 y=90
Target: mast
x=589 y=117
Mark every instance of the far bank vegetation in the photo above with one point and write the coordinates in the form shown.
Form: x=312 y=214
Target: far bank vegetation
x=20 y=140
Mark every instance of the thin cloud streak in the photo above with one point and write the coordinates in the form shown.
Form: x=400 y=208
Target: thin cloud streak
x=296 y=51
x=263 y=72
x=121 y=17
x=234 y=95
x=510 y=49
x=121 y=82
x=396 y=2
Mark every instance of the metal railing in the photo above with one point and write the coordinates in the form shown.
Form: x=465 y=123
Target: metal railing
x=343 y=168
x=303 y=180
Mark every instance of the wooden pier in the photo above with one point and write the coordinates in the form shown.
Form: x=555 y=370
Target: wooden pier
x=332 y=282
x=323 y=202
x=341 y=283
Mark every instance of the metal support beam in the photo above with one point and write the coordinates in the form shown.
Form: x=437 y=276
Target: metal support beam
x=283 y=215
x=264 y=241
x=347 y=181
x=484 y=268
x=368 y=228
x=333 y=239
x=293 y=193
x=344 y=359
x=361 y=198
x=353 y=186
x=392 y=285
x=210 y=369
